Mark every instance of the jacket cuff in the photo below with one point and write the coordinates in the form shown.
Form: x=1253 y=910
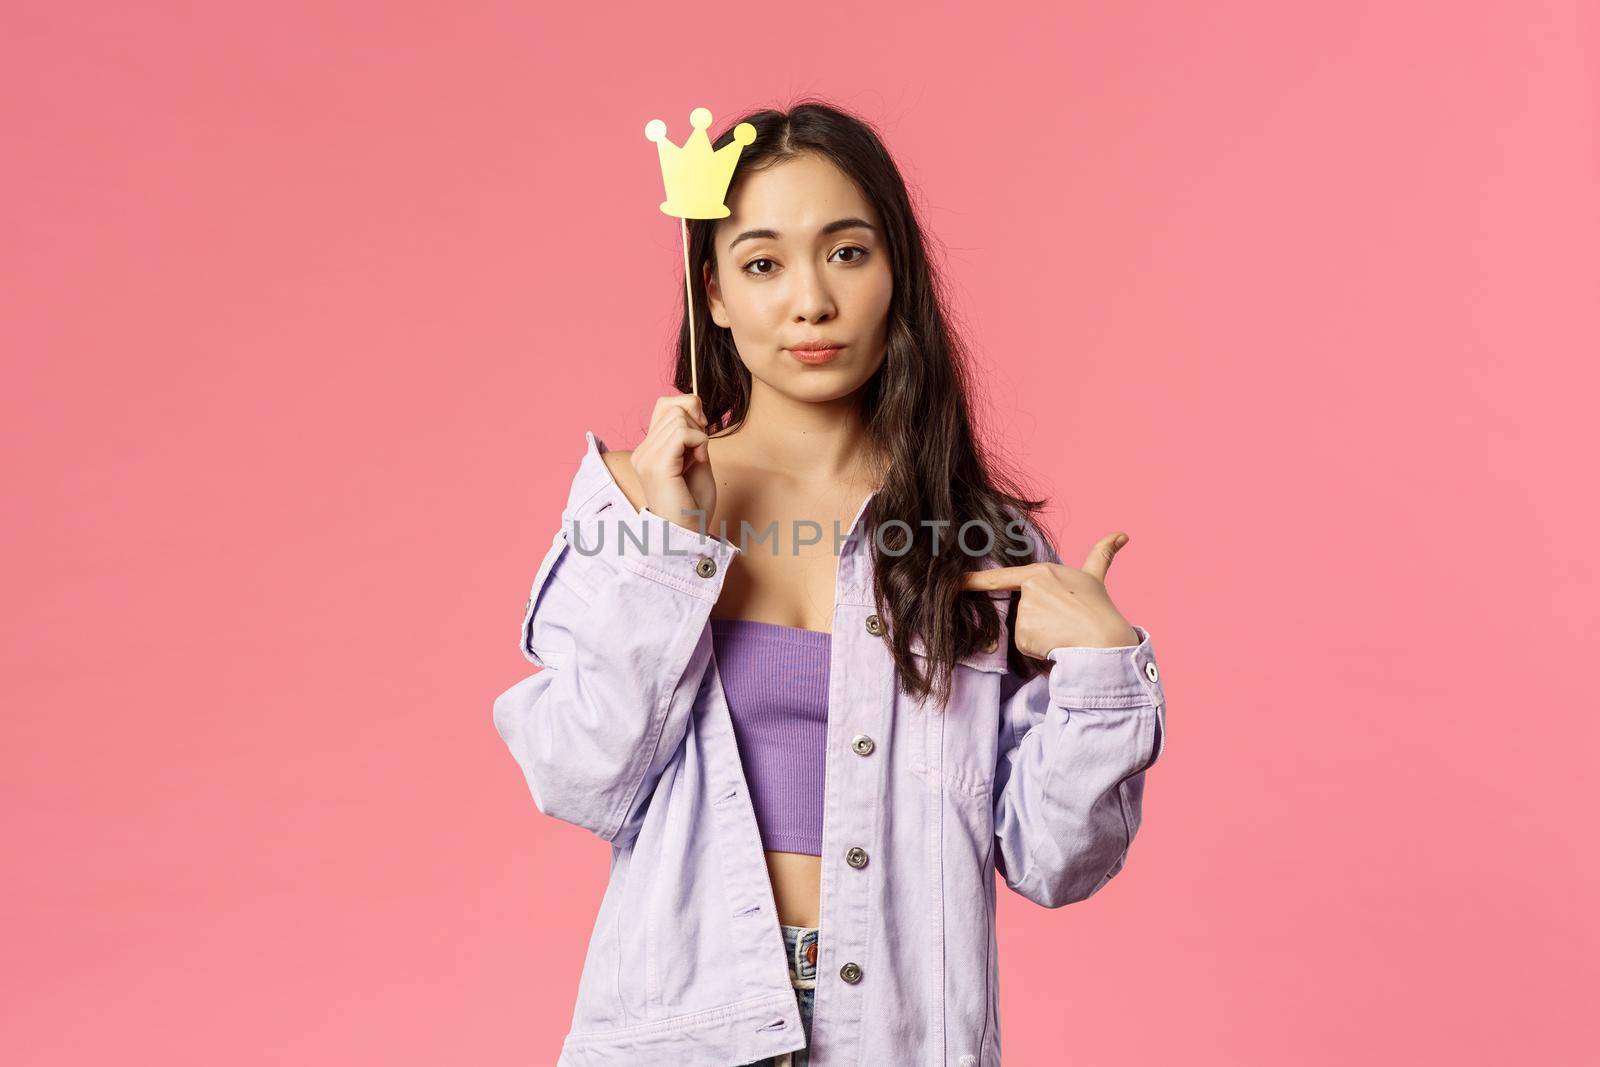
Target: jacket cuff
x=657 y=548
x=1124 y=677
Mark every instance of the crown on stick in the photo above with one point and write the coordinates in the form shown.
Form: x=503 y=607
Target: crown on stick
x=696 y=176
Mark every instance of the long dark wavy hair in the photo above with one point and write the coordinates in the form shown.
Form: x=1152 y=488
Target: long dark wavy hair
x=914 y=409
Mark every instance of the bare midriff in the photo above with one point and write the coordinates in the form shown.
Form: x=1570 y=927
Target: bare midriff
x=796 y=887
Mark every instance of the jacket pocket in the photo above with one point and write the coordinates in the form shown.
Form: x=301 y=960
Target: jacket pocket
x=957 y=745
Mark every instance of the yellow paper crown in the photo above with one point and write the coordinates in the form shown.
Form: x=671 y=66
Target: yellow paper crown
x=696 y=176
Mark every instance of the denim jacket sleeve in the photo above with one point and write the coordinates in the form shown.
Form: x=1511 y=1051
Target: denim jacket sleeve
x=618 y=632
x=1069 y=785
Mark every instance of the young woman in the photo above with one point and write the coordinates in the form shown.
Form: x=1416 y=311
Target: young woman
x=809 y=665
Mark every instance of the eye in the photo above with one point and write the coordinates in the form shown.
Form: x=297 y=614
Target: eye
x=854 y=248
x=756 y=273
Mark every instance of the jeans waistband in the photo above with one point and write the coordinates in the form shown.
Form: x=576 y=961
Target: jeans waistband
x=800 y=942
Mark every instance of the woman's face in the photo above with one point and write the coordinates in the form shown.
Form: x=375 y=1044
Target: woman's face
x=795 y=264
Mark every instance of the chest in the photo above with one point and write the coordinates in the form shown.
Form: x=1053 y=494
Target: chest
x=788 y=571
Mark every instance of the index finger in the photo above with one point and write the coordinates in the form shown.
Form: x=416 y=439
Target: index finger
x=999 y=577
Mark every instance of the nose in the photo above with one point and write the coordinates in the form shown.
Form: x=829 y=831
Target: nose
x=813 y=302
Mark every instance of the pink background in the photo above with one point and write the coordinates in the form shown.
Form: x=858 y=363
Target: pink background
x=306 y=307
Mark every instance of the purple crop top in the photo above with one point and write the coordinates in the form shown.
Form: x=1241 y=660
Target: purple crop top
x=776 y=681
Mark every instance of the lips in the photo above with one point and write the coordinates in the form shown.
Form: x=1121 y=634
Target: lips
x=813 y=357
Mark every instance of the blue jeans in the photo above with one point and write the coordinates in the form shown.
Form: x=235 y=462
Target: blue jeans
x=801 y=944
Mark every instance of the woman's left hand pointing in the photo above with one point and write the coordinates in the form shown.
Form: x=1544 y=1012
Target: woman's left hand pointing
x=1062 y=606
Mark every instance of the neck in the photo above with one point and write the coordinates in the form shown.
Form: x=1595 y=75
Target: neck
x=815 y=441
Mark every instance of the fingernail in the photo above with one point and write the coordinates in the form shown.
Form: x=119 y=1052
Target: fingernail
x=1122 y=540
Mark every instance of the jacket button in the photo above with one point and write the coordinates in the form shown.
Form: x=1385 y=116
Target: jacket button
x=706 y=567
x=862 y=744
x=874 y=625
x=851 y=973
x=856 y=857
x=1150 y=671
x=991 y=646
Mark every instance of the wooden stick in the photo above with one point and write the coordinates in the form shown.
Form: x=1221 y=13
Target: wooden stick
x=688 y=294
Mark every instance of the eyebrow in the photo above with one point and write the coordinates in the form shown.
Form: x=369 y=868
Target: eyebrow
x=835 y=226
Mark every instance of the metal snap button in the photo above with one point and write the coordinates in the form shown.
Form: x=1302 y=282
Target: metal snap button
x=992 y=645
x=862 y=744
x=851 y=973
x=874 y=626
x=856 y=857
x=705 y=567
x=1150 y=671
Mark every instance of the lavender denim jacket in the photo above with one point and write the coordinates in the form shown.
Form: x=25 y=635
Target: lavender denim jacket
x=626 y=732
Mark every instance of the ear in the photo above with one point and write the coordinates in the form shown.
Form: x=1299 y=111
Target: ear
x=719 y=311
